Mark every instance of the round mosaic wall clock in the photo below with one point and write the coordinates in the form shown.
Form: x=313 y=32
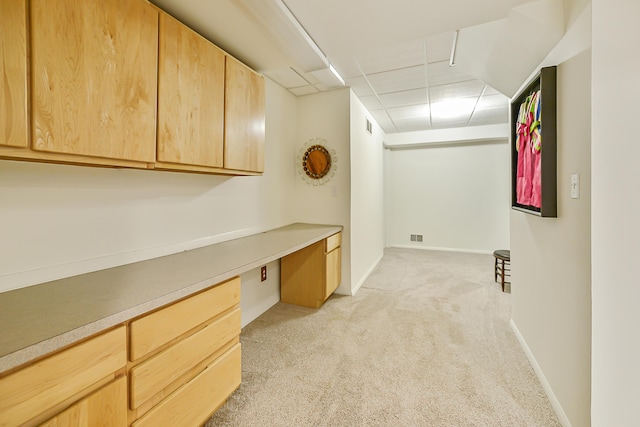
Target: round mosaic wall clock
x=316 y=163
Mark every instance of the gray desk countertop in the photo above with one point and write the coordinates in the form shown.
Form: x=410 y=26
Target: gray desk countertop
x=39 y=319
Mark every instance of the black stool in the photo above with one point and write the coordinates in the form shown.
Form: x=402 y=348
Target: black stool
x=502 y=265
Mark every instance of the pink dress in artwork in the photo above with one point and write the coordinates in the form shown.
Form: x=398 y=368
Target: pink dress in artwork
x=528 y=146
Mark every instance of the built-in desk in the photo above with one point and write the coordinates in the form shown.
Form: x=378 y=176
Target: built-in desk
x=41 y=319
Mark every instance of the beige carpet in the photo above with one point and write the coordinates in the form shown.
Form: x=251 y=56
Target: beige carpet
x=425 y=342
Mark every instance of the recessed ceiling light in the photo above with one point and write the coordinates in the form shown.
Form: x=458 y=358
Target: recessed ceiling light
x=450 y=108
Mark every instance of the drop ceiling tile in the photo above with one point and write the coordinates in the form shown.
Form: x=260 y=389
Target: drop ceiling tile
x=490 y=116
x=440 y=73
x=439 y=47
x=466 y=89
x=492 y=91
x=441 y=123
x=286 y=78
x=310 y=78
x=412 y=124
x=303 y=90
x=359 y=86
x=493 y=101
x=398 y=80
x=346 y=66
x=383 y=120
x=400 y=55
x=371 y=103
x=412 y=111
x=407 y=97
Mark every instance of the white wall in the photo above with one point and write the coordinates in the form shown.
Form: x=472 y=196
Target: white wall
x=550 y=260
x=550 y=257
x=615 y=227
x=326 y=115
x=60 y=220
x=457 y=196
x=367 y=194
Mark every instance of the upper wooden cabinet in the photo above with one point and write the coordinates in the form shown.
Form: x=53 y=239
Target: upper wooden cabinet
x=244 y=118
x=13 y=69
x=121 y=83
x=94 y=78
x=190 y=97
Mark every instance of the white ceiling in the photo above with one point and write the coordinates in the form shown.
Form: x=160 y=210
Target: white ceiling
x=394 y=55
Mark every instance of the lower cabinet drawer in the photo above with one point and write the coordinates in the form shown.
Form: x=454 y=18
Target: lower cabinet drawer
x=106 y=407
x=151 y=376
x=194 y=402
x=41 y=386
x=333 y=242
x=155 y=330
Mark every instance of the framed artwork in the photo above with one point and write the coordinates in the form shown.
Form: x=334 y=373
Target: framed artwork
x=317 y=164
x=534 y=146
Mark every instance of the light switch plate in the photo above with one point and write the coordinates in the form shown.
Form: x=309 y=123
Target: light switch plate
x=575 y=186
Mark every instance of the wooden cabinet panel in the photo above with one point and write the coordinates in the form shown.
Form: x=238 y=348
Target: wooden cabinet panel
x=193 y=403
x=94 y=78
x=244 y=118
x=190 y=97
x=302 y=276
x=106 y=407
x=42 y=385
x=309 y=276
x=13 y=73
x=333 y=271
x=155 y=374
x=152 y=331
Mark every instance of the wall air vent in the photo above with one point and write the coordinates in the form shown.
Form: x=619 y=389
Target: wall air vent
x=369 y=127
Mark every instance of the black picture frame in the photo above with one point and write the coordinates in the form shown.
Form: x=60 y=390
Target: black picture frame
x=546 y=82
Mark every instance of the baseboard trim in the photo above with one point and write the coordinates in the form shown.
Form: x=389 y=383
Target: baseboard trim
x=366 y=275
x=555 y=403
x=435 y=248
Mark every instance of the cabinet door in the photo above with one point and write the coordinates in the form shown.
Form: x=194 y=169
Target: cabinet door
x=106 y=407
x=244 y=118
x=190 y=97
x=13 y=69
x=94 y=74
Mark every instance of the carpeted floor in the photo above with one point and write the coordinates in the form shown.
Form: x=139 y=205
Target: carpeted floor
x=425 y=342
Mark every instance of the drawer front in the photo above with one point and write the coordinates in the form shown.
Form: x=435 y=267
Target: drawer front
x=42 y=385
x=105 y=407
x=333 y=271
x=194 y=402
x=156 y=329
x=151 y=376
x=333 y=242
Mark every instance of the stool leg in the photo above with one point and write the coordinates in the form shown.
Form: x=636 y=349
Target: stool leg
x=502 y=275
x=495 y=270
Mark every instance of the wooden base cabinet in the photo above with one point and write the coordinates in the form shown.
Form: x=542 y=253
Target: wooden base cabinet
x=174 y=366
x=57 y=388
x=310 y=275
x=185 y=358
x=106 y=407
